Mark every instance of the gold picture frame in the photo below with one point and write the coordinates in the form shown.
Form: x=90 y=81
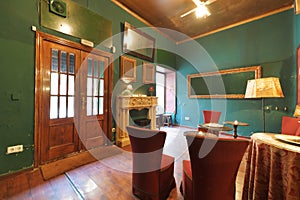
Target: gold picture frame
x=128 y=68
x=148 y=73
x=205 y=85
x=297 y=7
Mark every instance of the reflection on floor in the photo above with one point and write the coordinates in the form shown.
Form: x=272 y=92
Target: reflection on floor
x=108 y=178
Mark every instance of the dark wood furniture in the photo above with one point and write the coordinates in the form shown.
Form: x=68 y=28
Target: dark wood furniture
x=235 y=124
x=213 y=129
x=212 y=169
x=152 y=176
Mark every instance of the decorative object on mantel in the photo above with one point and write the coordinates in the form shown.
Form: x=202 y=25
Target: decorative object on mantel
x=297 y=111
x=151 y=90
x=126 y=103
x=127 y=91
x=263 y=88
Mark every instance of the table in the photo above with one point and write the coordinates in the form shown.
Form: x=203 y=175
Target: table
x=272 y=169
x=212 y=129
x=167 y=119
x=235 y=125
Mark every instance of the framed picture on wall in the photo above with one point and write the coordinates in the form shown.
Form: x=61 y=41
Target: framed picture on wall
x=297 y=6
x=127 y=69
x=137 y=43
x=148 y=73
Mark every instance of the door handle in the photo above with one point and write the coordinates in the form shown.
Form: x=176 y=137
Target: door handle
x=83 y=102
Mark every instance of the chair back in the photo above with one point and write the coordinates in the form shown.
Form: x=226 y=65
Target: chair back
x=211 y=116
x=147 y=148
x=290 y=126
x=213 y=176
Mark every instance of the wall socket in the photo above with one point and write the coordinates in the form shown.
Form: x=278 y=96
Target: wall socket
x=187 y=118
x=14 y=149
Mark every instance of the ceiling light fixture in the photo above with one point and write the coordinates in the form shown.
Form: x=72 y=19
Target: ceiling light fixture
x=201 y=10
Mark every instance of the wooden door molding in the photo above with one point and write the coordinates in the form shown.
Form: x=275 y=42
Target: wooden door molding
x=39 y=87
x=298 y=75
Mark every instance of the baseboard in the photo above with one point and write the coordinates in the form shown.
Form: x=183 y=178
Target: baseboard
x=59 y=167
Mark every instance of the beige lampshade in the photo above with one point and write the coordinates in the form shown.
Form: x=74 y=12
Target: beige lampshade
x=263 y=88
x=297 y=111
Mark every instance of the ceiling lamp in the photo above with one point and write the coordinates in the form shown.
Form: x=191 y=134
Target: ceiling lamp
x=201 y=10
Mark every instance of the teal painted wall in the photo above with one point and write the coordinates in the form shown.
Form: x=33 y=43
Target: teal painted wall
x=17 y=80
x=17 y=63
x=268 y=42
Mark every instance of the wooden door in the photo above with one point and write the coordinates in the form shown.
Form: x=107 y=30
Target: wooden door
x=94 y=104
x=73 y=93
x=58 y=136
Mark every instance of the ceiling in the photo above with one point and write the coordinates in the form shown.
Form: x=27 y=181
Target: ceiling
x=224 y=14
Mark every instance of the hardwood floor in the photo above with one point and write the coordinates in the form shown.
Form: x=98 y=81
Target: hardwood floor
x=108 y=178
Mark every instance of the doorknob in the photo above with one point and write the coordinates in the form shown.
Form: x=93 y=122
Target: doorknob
x=83 y=102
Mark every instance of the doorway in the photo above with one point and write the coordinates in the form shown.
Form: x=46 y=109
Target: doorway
x=72 y=100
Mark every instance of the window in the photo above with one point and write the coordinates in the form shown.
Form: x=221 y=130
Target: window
x=165 y=90
x=95 y=87
x=62 y=84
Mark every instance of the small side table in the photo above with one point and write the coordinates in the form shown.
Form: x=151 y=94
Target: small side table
x=167 y=119
x=213 y=129
x=235 y=125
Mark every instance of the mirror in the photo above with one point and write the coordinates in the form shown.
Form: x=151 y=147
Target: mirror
x=138 y=43
x=229 y=83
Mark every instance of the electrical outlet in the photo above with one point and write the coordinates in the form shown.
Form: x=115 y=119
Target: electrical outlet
x=14 y=149
x=187 y=118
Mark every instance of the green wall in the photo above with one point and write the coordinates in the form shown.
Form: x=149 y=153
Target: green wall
x=17 y=77
x=268 y=42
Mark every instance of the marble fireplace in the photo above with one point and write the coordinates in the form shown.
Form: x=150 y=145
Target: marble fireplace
x=127 y=103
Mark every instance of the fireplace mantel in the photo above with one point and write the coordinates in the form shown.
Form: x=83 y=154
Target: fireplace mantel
x=126 y=103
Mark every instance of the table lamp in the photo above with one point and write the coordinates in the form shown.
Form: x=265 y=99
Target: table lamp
x=297 y=111
x=263 y=88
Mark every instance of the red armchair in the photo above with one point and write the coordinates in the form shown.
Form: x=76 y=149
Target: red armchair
x=290 y=126
x=211 y=116
x=152 y=176
x=211 y=176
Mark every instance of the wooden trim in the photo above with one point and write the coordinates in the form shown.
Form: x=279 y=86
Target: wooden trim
x=298 y=75
x=142 y=19
x=256 y=69
x=40 y=37
x=37 y=100
x=237 y=24
x=124 y=68
x=204 y=34
x=110 y=93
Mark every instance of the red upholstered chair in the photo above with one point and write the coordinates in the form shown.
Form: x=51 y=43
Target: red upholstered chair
x=210 y=174
x=211 y=116
x=152 y=176
x=290 y=126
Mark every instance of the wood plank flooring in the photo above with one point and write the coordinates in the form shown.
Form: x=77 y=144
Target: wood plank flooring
x=108 y=178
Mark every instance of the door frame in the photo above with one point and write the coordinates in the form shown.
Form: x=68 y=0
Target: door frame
x=40 y=37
